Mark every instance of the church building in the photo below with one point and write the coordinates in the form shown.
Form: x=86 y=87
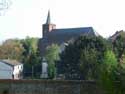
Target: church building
x=61 y=37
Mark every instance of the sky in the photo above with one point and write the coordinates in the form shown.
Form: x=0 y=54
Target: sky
x=25 y=17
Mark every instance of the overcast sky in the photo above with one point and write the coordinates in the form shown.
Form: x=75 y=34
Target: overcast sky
x=25 y=17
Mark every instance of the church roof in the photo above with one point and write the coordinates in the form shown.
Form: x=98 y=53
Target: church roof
x=79 y=30
x=61 y=35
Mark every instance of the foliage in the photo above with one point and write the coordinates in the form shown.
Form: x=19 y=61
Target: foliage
x=122 y=61
x=110 y=61
x=31 y=54
x=69 y=62
x=119 y=44
x=88 y=64
x=52 y=53
x=108 y=72
x=11 y=49
x=80 y=59
x=31 y=57
x=121 y=75
x=52 y=56
x=25 y=51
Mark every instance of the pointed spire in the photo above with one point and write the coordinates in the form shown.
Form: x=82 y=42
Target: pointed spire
x=48 y=21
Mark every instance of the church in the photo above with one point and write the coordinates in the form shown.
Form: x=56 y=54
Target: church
x=61 y=37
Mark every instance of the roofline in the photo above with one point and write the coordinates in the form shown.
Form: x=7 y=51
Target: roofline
x=73 y=28
x=8 y=63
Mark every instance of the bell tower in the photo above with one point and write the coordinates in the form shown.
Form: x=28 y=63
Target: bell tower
x=48 y=26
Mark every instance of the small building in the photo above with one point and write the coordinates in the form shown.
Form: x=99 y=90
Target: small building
x=11 y=69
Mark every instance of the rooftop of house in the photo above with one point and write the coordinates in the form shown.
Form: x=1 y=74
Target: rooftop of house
x=117 y=34
x=10 y=62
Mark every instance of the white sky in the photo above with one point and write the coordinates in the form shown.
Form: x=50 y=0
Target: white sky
x=25 y=17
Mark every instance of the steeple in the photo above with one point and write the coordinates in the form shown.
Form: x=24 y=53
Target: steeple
x=48 y=26
x=48 y=21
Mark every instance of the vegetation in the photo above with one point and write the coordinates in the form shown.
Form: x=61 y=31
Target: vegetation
x=94 y=58
x=87 y=58
x=108 y=72
x=119 y=44
x=25 y=51
x=11 y=49
x=52 y=56
x=31 y=57
x=80 y=60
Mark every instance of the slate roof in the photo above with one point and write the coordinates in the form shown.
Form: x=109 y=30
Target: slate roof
x=61 y=35
x=75 y=31
x=10 y=62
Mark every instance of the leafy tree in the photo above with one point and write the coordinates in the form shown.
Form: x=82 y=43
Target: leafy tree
x=31 y=57
x=109 y=73
x=80 y=59
x=119 y=44
x=88 y=64
x=68 y=64
x=121 y=75
x=122 y=61
x=52 y=53
x=52 y=56
x=110 y=61
x=30 y=50
x=11 y=49
x=26 y=51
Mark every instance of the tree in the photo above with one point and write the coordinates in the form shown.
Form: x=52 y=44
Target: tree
x=109 y=73
x=121 y=76
x=119 y=44
x=11 y=49
x=89 y=64
x=80 y=59
x=25 y=51
x=31 y=57
x=30 y=50
x=52 y=56
x=110 y=61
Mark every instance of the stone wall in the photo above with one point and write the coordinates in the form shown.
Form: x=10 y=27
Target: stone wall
x=48 y=87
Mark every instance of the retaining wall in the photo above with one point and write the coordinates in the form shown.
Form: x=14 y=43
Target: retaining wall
x=48 y=87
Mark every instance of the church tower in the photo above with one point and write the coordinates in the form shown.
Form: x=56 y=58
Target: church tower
x=48 y=26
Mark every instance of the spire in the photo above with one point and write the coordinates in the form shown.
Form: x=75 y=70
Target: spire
x=48 y=21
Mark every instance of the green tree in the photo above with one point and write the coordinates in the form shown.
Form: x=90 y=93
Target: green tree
x=119 y=44
x=80 y=59
x=31 y=57
x=31 y=52
x=110 y=61
x=108 y=73
x=121 y=76
x=52 y=56
x=89 y=64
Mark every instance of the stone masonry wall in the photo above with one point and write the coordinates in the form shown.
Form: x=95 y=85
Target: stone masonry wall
x=48 y=87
